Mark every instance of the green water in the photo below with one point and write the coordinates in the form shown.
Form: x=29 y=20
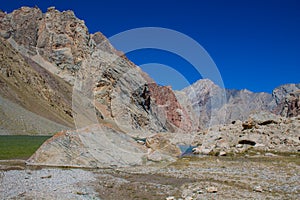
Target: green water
x=19 y=146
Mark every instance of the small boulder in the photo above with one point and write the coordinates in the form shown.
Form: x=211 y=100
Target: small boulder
x=249 y=124
x=201 y=150
x=265 y=118
x=196 y=150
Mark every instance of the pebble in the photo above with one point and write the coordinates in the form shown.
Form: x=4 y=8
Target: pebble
x=141 y=142
x=200 y=192
x=270 y=154
x=212 y=189
x=170 y=198
x=258 y=188
x=48 y=176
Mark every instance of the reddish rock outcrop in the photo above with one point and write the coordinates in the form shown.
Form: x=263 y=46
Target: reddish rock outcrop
x=166 y=100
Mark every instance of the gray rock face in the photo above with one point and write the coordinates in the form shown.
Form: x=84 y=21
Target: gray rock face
x=287 y=98
x=282 y=91
x=214 y=105
x=20 y=23
x=102 y=146
x=60 y=38
x=96 y=146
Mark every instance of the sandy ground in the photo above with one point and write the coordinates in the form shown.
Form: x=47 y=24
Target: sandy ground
x=256 y=177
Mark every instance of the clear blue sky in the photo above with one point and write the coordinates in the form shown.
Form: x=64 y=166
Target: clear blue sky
x=254 y=43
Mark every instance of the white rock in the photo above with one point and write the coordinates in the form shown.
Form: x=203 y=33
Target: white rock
x=222 y=153
x=141 y=142
x=196 y=150
x=270 y=154
x=212 y=189
x=258 y=188
x=259 y=145
x=170 y=198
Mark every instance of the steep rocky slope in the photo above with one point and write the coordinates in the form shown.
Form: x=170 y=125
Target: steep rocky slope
x=16 y=120
x=57 y=44
x=29 y=85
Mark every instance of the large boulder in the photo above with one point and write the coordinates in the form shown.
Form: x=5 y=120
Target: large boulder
x=94 y=146
x=103 y=146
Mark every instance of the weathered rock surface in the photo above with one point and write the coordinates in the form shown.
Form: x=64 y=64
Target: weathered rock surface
x=268 y=132
x=102 y=146
x=214 y=105
x=288 y=100
x=59 y=37
x=96 y=146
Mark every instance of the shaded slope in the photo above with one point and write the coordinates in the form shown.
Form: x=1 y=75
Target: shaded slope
x=27 y=84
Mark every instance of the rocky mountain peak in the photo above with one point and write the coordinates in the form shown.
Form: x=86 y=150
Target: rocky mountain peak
x=215 y=105
x=58 y=37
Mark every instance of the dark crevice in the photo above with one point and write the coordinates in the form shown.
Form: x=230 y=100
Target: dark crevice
x=249 y=142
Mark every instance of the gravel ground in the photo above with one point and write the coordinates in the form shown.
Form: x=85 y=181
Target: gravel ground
x=47 y=184
x=276 y=177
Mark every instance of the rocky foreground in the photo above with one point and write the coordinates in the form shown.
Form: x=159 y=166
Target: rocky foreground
x=257 y=176
x=255 y=159
x=103 y=146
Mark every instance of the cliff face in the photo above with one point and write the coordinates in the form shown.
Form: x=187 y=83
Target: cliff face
x=287 y=98
x=67 y=60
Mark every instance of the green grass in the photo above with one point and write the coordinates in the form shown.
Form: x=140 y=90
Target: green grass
x=19 y=146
